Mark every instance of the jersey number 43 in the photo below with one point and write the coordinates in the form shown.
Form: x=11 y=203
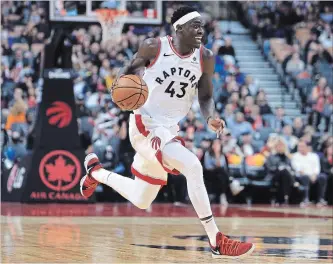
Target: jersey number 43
x=171 y=90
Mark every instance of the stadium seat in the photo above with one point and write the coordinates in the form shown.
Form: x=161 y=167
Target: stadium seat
x=254 y=167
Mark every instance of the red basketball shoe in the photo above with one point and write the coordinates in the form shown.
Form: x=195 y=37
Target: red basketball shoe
x=88 y=184
x=228 y=248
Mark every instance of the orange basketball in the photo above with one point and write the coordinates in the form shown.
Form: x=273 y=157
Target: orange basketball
x=130 y=92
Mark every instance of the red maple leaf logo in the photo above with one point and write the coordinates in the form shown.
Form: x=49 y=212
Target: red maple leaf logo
x=60 y=171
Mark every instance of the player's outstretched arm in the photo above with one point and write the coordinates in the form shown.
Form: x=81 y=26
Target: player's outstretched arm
x=146 y=53
x=205 y=92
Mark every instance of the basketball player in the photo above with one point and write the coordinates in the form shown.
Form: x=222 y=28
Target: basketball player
x=174 y=69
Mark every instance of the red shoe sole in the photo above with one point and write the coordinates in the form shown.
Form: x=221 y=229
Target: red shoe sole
x=235 y=257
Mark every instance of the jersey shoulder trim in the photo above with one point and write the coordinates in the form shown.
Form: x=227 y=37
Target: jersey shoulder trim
x=157 y=54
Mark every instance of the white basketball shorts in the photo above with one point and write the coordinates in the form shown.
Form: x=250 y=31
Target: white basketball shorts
x=148 y=141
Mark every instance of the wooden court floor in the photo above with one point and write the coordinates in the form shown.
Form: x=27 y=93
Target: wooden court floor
x=121 y=233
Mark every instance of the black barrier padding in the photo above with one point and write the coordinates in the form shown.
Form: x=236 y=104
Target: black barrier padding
x=56 y=126
x=55 y=167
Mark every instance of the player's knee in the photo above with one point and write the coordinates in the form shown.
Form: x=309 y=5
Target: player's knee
x=194 y=168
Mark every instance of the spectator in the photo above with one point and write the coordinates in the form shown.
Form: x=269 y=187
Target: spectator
x=309 y=136
x=109 y=159
x=244 y=92
x=248 y=105
x=307 y=168
x=227 y=49
x=246 y=144
x=239 y=126
x=17 y=114
x=298 y=127
x=325 y=141
x=81 y=109
x=15 y=146
x=280 y=119
x=278 y=166
x=322 y=109
x=295 y=64
x=230 y=145
x=18 y=96
x=326 y=37
x=269 y=148
x=288 y=136
x=217 y=83
x=216 y=164
x=228 y=113
x=326 y=163
x=252 y=85
x=255 y=118
x=262 y=102
x=234 y=100
x=318 y=90
x=312 y=48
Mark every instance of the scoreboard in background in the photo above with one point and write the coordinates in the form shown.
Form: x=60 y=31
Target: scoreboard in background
x=140 y=12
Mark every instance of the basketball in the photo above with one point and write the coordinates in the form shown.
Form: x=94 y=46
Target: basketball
x=130 y=92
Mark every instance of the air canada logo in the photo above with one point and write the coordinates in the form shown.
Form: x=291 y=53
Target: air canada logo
x=60 y=170
x=155 y=143
x=60 y=114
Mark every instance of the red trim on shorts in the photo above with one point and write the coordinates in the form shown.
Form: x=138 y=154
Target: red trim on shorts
x=175 y=51
x=157 y=55
x=201 y=58
x=147 y=178
x=141 y=127
x=179 y=139
x=160 y=160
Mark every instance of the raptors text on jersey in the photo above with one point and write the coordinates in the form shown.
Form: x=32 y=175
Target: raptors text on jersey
x=172 y=81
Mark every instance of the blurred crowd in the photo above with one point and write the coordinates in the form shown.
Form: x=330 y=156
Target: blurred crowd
x=261 y=147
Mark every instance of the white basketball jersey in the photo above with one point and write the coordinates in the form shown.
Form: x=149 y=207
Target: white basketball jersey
x=172 y=81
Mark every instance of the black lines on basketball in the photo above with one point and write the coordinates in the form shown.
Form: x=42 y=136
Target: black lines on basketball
x=127 y=98
x=137 y=100
x=125 y=87
x=144 y=97
x=126 y=77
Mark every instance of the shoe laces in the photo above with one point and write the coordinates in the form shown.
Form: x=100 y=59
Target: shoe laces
x=228 y=246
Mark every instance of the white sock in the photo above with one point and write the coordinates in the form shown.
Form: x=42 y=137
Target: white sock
x=188 y=164
x=210 y=228
x=137 y=191
x=124 y=186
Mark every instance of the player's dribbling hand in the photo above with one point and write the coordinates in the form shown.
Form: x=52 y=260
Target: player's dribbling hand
x=217 y=125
